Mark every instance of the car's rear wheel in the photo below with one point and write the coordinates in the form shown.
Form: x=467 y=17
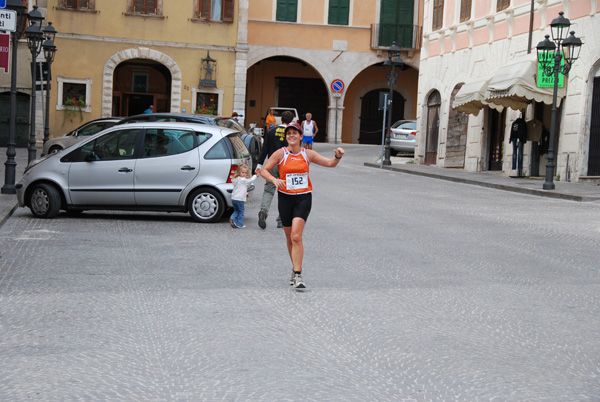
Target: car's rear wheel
x=44 y=201
x=206 y=205
x=54 y=149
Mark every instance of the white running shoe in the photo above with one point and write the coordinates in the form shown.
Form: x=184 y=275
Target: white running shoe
x=298 y=284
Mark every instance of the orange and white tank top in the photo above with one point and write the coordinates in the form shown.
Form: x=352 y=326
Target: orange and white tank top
x=293 y=169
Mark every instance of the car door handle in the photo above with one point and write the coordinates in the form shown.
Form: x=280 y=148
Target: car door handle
x=125 y=170
x=188 y=167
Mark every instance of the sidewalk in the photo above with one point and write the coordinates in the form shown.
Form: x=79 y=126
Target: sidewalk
x=531 y=186
x=8 y=202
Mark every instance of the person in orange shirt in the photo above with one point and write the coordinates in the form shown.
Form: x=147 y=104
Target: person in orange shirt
x=295 y=191
x=270 y=121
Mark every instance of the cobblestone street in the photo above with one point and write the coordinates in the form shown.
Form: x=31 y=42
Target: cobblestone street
x=418 y=290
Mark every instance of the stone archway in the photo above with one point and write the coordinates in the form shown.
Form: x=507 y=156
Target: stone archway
x=139 y=53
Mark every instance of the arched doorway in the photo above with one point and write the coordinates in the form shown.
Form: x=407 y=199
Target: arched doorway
x=139 y=83
x=433 y=127
x=371 y=117
x=142 y=53
x=285 y=81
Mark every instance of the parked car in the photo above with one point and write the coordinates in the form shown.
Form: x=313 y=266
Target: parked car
x=90 y=128
x=176 y=167
x=403 y=136
x=253 y=142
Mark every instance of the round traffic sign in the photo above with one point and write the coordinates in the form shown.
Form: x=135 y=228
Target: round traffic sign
x=337 y=85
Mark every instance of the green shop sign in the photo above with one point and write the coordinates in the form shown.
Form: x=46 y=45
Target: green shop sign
x=543 y=81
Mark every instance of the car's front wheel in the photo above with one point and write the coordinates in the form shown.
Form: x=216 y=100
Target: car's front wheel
x=44 y=201
x=54 y=149
x=206 y=205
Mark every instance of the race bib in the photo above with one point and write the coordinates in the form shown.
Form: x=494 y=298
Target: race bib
x=296 y=181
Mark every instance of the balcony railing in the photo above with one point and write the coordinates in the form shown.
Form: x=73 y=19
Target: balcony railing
x=408 y=37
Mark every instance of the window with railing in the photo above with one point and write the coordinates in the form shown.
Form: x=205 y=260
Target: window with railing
x=502 y=5
x=215 y=10
x=338 y=12
x=438 y=14
x=465 y=10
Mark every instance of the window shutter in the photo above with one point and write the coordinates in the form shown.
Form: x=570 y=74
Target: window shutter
x=205 y=9
x=228 y=9
x=338 y=12
x=287 y=10
x=438 y=10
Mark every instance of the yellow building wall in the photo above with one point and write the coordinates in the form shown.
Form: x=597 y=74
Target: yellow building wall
x=112 y=31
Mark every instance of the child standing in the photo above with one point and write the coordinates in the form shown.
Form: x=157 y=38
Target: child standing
x=238 y=196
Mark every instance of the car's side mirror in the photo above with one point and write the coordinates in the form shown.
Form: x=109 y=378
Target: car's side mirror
x=91 y=157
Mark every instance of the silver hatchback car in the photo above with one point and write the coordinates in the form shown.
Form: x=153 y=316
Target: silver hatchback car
x=403 y=136
x=174 y=167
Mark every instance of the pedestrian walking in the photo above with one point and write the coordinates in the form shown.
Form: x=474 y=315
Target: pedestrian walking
x=241 y=182
x=274 y=140
x=270 y=121
x=295 y=191
x=309 y=131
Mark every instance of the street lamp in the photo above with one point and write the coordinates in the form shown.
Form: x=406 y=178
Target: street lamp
x=550 y=56
x=49 y=52
x=10 y=164
x=35 y=37
x=392 y=61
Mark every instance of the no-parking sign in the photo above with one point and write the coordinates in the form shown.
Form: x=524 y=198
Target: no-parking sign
x=337 y=85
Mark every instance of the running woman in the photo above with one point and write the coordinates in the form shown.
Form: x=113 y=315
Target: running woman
x=295 y=191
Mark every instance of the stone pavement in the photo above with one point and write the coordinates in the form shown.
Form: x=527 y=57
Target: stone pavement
x=369 y=153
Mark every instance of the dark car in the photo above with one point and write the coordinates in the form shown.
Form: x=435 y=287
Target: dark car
x=84 y=131
x=253 y=142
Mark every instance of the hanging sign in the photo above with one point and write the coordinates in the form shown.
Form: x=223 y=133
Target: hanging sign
x=8 y=20
x=543 y=81
x=4 y=51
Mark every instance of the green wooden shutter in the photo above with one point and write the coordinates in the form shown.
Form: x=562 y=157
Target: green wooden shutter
x=338 y=12
x=287 y=10
x=396 y=23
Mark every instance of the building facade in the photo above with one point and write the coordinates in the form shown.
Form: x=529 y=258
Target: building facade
x=297 y=49
x=478 y=75
x=118 y=57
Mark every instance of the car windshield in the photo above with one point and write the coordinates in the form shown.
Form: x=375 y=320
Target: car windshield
x=406 y=125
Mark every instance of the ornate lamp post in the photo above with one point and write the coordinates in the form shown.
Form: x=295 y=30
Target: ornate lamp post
x=10 y=164
x=550 y=56
x=392 y=61
x=34 y=42
x=49 y=52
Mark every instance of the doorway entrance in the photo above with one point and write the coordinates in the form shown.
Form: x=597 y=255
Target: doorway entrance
x=433 y=128
x=371 y=118
x=22 y=131
x=139 y=83
x=594 y=150
x=496 y=139
x=306 y=95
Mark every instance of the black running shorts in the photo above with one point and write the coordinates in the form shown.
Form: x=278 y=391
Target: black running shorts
x=293 y=206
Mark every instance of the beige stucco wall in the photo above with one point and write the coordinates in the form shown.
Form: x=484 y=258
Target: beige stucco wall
x=91 y=44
